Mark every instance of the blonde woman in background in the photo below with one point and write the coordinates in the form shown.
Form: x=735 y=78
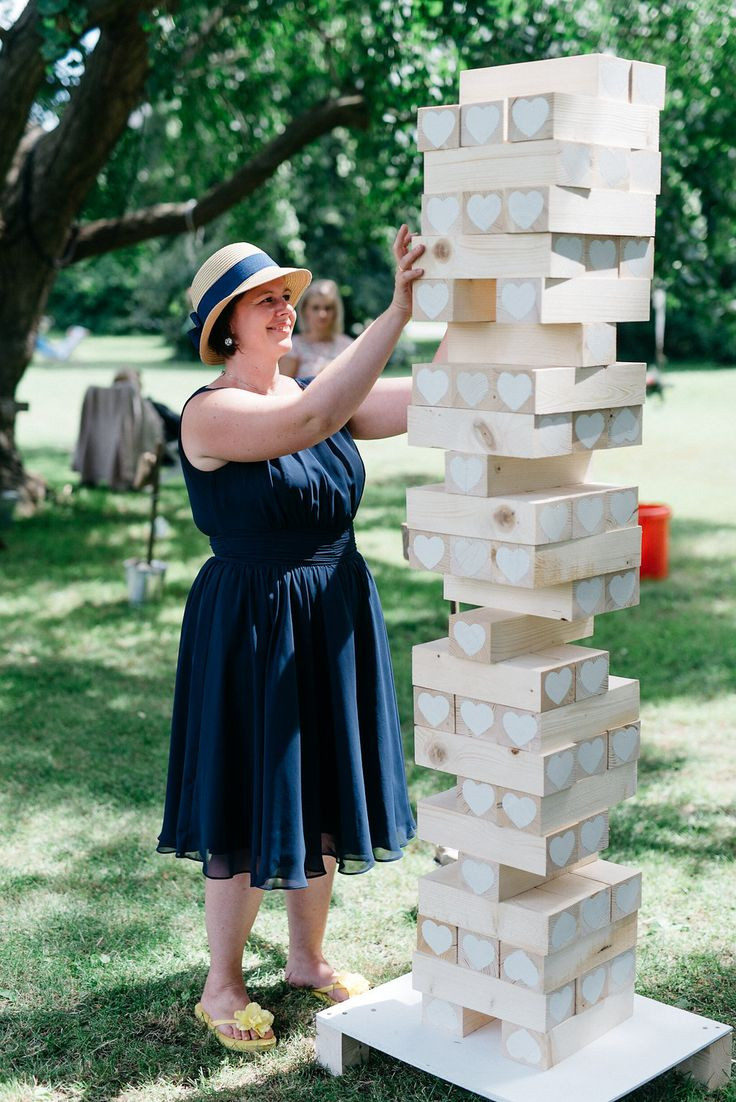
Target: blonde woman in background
x=322 y=337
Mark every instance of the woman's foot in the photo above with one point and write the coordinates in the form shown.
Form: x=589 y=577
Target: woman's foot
x=221 y=1001
x=317 y=974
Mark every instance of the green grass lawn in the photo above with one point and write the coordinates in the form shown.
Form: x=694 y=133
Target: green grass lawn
x=102 y=945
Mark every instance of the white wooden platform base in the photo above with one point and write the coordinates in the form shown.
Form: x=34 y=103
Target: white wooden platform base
x=655 y=1039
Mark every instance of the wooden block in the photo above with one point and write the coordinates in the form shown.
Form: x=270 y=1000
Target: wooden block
x=647 y=84
x=603 y=509
x=712 y=1065
x=622 y=590
x=636 y=257
x=483 y=123
x=563 y=966
x=530 y=345
x=516 y=435
x=602 y=256
x=624 y=744
x=645 y=171
x=441 y=215
x=436 y=938
x=622 y=970
x=491 y=635
x=624 y=427
x=564 y=117
x=476 y=798
x=483 y=212
x=487 y=475
x=584 y=299
x=484 y=255
x=591 y=668
x=567 y=210
x=544 y=1050
x=433 y=385
x=474 y=718
x=541 y=815
x=451 y=1017
x=335 y=1051
x=481 y=758
x=438 y=127
x=458 y=300
x=593 y=832
x=592 y=987
x=480 y=954
x=594 y=915
x=591 y=756
x=599 y=75
x=435 y=710
x=590 y=430
x=428 y=551
x=625 y=884
x=566 y=601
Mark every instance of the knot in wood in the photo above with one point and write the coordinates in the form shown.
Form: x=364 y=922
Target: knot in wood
x=485 y=434
x=437 y=752
x=441 y=249
x=505 y=516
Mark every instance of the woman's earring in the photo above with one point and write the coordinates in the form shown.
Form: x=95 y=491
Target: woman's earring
x=228 y=342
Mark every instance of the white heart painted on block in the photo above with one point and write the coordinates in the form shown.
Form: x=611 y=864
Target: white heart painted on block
x=613 y=166
x=514 y=390
x=442 y=1015
x=472 y=386
x=621 y=588
x=518 y=299
x=466 y=473
x=561 y=847
x=435 y=709
x=530 y=115
x=432 y=384
x=432 y=298
x=520 y=729
x=623 y=506
x=625 y=742
x=437 y=126
x=478 y=718
x=602 y=254
x=521 y=810
x=477 y=876
x=589 y=511
x=591 y=833
x=589 y=593
x=576 y=160
x=553 y=519
x=636 y=256
x=615 y=76
x=429 y=550
x=513 y=562
x=520 y=969
x=558 y=684
x=588 y=427
x=624 y=427
x=483 y=210
x=471 y=556
x=569 y=247
x=479 y=952
x=626 y=896
x=593 y=673
x=593 y=985
x=482 y=121
x=479 y=797
x=596 y=912
x=438 y=938
x=470 y=637
x=522 y=1046
x=564 y=929
x=560 y=767
x=599 y=342
x=622 y=968
x=442 y=213
x=561 y=1003
x=525 y=207
x=590 y=755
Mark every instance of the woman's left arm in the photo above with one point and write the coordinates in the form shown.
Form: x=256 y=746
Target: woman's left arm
x=383 y=412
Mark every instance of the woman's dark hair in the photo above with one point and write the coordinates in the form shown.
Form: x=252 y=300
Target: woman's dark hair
x=221 y=330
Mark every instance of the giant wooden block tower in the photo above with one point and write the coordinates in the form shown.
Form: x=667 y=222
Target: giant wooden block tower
x=538 y=220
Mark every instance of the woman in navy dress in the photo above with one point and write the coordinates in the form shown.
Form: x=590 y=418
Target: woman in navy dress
x=286 y=758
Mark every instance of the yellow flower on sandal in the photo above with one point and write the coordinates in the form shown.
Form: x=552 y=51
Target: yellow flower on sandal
x=352 y=983
x=254 y=1018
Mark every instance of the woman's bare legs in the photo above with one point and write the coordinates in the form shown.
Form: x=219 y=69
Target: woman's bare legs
x=307 y=909
x=231 y=907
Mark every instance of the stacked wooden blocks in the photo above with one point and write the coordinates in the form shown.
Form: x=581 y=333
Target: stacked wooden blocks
x=538 y=221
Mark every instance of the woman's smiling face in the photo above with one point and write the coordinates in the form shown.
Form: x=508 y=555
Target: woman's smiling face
x=263 y=320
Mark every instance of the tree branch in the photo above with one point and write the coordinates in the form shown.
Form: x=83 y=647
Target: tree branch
x=167 y=219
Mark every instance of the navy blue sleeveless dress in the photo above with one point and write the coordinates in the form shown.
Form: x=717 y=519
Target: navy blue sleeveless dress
x=285 y=740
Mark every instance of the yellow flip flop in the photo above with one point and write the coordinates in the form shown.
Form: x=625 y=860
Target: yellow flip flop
x=352 y=983
x=252 y=1018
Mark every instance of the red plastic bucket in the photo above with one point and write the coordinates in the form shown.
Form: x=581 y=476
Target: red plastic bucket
x=655 y=540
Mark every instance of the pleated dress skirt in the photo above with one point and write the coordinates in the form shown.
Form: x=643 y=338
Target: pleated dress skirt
x=285 y=739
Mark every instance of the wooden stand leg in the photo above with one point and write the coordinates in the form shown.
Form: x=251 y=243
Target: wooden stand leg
x=712 y=1065
x=336 y=1052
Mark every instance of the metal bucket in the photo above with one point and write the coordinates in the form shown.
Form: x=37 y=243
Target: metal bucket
x=145 y=580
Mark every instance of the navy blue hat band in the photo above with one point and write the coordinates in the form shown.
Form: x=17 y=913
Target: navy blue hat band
x=225 y=286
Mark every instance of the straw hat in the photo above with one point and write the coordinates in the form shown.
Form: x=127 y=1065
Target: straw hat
x=229 y=272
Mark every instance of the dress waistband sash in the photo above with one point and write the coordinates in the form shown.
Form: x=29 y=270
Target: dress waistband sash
x=286 y=549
